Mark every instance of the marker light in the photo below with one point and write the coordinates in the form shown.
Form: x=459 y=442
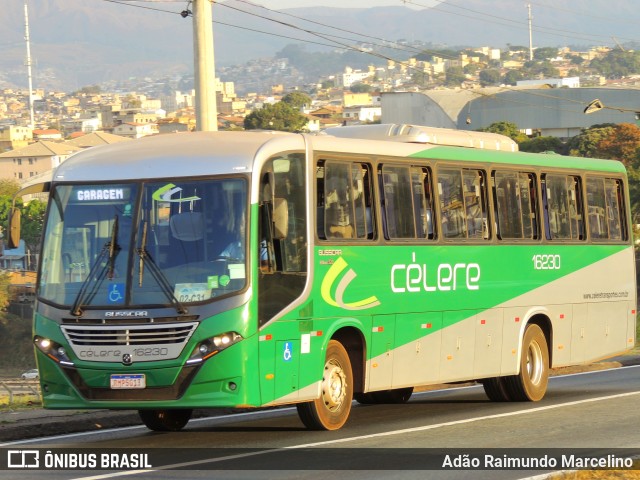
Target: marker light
x=209 y=347
x=53 y=350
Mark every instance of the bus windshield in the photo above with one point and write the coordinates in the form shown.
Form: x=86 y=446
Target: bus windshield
x=144 y=244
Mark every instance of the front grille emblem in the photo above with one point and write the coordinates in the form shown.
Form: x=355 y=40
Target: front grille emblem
x=126 y=359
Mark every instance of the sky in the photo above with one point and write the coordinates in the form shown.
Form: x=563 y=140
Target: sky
x=279 y=4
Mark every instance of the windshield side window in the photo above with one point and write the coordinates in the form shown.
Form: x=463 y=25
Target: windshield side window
x=282 y=234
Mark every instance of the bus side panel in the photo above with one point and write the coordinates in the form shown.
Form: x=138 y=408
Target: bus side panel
x=417 y=360
x=511 y=339
x=562 y=327
x=380 y=366
x=488 y=353
x=605 y=332
x=458 y=346
x=578 y=331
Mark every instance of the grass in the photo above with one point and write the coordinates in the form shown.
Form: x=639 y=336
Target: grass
x=599 y=474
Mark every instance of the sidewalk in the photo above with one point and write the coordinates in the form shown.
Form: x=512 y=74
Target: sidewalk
x=36 y=422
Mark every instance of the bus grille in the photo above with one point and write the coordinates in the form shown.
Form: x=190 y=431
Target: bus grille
x=128 y=335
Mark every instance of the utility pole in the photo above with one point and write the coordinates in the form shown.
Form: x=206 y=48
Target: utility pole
x=26 y=37
x=204 y=67
x=530 y=34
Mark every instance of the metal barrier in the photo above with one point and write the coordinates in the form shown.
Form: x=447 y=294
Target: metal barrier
x=14 y=389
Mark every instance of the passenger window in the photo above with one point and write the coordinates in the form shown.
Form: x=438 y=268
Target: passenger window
x=606 y=209
x=344 y=200
x=463 y=205
x=515 y=198
x=398 y=202
x=563 y=207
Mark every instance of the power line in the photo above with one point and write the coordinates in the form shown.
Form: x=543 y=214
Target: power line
x=400 y=46
x=510 y=22
x=343 y=46
x=575 y=12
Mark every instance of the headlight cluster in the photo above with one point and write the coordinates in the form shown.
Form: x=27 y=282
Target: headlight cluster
x=209 y=347
x=53 y=350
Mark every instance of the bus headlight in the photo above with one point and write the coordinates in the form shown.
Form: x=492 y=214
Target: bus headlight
x=53 y=350
x=209 y=347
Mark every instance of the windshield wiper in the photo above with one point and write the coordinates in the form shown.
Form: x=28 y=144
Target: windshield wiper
x=109 y=252
x=156 y=272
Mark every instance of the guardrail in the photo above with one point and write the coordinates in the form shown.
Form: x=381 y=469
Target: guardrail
x=19 y=389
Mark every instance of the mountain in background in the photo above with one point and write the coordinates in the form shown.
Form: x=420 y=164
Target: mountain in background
x=75 y=43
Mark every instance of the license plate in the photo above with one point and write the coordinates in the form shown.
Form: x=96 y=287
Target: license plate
x=129 y=381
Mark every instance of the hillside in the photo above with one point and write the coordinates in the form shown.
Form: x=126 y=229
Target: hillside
x=76 y=43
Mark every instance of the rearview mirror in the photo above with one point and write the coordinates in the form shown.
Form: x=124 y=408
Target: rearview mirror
x=14 y=228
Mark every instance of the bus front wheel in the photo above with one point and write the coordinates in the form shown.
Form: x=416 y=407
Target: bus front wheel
x=165 y=420
x=331 y=410
x=531 y=383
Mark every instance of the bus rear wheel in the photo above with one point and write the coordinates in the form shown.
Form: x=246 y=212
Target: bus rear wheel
x=530 y=384
x=165 y=420
x=331 y=410
x=496 y=389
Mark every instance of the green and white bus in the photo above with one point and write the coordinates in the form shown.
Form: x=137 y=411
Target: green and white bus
x=252 y=269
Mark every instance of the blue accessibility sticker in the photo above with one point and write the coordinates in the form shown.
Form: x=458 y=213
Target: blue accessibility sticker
x=116 y=293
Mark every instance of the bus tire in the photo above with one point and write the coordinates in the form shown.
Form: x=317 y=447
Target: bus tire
x=331 y=410
x=496 y=389
x=171 y=420
x=530 y=384
x=394 y=396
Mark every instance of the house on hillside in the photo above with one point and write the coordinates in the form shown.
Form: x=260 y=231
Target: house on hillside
x=136 y=130
x=14 y=136
x=39 y=157
x=95 y=139
x=48 y=134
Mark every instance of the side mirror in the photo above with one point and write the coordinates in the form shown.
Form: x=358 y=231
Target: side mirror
x=280 y=218
x=14 y=228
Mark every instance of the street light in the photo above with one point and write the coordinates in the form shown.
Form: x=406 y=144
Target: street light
x=597 y=105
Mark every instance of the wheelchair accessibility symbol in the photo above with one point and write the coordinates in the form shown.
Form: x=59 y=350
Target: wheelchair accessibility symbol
x=116 y=293
x=286 y=353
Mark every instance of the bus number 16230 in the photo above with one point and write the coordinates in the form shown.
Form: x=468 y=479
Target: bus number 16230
x=546 y=262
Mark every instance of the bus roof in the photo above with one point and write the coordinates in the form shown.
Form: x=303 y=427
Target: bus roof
x=212 y=153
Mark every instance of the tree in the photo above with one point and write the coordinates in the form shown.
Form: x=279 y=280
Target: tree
x=617 y=64
x=618 y=142
x=508 y=129
x=360 y=88
x=279 y=116
x=9 y=187
x=4 y=289
x=586 y=143
x=297 y=99
x=542 y=144
x=454 y=76
x=622 y=143
x=32 y=223
x=544 y=53
x=489 y=77
x=512 y=77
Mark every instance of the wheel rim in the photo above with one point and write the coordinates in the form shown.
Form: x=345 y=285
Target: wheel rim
x=535 y=367
x=334 y=385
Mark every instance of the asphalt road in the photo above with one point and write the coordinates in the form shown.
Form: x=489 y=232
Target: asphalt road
x=596 y=411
